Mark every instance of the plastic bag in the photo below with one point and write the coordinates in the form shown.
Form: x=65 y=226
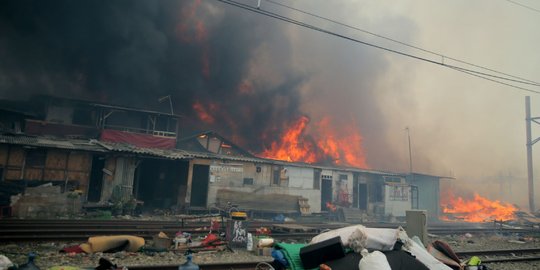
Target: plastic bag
x=374 y=260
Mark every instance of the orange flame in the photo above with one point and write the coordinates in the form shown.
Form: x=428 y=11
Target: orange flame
x=203 y=113
x=328 y=144
x=346 y=150
x=292 y=146
x=478 y=209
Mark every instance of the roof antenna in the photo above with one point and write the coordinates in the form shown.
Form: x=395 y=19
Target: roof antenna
x=161 y=99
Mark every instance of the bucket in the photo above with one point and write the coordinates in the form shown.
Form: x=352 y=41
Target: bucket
x=160 y=242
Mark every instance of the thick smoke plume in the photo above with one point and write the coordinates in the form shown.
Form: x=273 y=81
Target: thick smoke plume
x=244 y=75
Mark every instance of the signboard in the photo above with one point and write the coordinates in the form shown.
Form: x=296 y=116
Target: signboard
x=237 y=233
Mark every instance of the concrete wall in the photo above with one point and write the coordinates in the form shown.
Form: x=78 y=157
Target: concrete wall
x=237 y=176
x=45 y=202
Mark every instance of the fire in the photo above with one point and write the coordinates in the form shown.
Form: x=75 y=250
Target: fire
x=326 y=144
x=345 y=150
x=292 y=146
x=478 y=209
x=204 y=113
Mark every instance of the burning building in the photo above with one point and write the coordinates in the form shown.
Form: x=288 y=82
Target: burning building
x=101 y=150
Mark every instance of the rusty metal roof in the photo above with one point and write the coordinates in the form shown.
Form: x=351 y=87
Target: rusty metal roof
x=49 y=142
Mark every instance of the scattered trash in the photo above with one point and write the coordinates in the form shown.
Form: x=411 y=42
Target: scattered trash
x=30 y=265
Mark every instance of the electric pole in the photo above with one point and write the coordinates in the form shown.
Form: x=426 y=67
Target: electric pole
x=530 y=143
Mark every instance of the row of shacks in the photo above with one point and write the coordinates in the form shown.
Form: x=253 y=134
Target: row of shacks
x=99 y=149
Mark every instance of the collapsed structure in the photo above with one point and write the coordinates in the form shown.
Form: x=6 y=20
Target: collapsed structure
x=105 y=152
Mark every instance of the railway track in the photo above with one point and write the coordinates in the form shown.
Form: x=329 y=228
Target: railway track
x=72 y=230
x=504 y=255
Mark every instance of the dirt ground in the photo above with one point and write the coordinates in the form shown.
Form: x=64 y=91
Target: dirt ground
x=48 y=253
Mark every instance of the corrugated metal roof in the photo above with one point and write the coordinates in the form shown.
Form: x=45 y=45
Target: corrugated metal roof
x=72 y=144
x=170 y=153
x=176 y=154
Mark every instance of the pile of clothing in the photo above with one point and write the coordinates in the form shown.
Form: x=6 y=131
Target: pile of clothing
x=360 y=247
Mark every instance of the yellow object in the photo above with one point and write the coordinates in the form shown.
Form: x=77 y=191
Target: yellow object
x=239 y=215
x=104 y=243
x=474 y=260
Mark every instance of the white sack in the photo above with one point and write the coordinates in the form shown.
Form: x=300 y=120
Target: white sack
x=373 y=261
x=420 y=253
x=5 y=263
x=381 y=239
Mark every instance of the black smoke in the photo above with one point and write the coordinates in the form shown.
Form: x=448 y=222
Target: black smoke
x=254 y=75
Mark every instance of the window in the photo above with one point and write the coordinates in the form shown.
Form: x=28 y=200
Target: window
x=277 y=174
x=316 y=179
x=248 y=181
x=343 y=177
x=36 y=158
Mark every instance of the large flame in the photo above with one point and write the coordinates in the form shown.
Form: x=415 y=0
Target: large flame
x=325 y=144
x=478 y=209
x=293 y=147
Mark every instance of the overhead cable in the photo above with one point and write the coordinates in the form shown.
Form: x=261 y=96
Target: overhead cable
x=522 y=5
x=518 y=79
x=315 y=28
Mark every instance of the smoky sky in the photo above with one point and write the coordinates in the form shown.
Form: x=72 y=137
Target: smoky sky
x=254 y=75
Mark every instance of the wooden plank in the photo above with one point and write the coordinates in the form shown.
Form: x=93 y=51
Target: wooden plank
x=56 y=159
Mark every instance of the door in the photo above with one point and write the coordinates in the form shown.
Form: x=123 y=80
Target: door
x=362 y=196
x=199 y=185
x=326 y=193
x=96 y=179
x=414 y=197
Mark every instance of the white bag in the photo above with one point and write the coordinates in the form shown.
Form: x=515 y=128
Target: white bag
x=373 y=261
x=420 y=252
x=5 y=263
x=381 y=239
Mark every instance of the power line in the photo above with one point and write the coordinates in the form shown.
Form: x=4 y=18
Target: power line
x=312 y=27
x=522 y=5
x=518 y=79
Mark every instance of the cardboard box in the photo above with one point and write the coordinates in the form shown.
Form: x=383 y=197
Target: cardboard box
x=160 y=242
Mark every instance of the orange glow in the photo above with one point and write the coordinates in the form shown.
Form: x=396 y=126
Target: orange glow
x=478 y=209
x=292 y=146
x=331 y=206
x=203 y=113
x=339 y=146
x=345 y=148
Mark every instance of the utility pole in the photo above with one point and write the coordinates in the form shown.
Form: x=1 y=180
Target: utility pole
x=410 y=153
x=530 y=143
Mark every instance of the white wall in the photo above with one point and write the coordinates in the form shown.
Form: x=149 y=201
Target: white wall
x=397 y=199
x=300 y=177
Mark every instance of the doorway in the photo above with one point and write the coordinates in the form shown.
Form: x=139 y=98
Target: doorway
x=199 y=185
x=96 y=179
x=326 y=193
x=157 y=182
